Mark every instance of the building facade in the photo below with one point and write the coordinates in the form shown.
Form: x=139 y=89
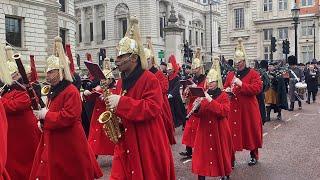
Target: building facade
x=31 y=25
x=256 y=21
x=101 y=24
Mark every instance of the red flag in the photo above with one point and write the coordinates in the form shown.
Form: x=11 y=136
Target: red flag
x=69 y=54
x=34 y=75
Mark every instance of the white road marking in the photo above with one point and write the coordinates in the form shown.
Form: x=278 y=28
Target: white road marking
x=186 y=161
x=264 y=134
x=296 y=115
x=309 y=114
x=288 y=119
x=276 y=127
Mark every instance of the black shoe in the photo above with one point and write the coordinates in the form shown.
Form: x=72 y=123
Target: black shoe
x=300 y=108
x=279 y=117
x=308 y=102
x=252 y=162
x=290 y=109
x=185 y=153
x=224 y=178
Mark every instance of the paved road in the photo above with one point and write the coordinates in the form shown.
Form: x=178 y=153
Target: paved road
x=291 y=150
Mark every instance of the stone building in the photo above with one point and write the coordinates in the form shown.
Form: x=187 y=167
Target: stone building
x=101 y=24
x=31 y=25
x=256 y=21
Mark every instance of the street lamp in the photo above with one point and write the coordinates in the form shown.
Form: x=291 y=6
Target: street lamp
x=211 y=35
x=295 y=15
x=314 y=39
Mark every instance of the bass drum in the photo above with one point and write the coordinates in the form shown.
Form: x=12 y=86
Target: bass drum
x=301 y=89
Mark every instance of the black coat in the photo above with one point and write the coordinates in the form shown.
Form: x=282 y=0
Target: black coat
x=177 y=108
x=312 y=80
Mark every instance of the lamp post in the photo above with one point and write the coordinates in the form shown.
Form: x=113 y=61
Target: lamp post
x=314 y=40
x=295 y=15
x=211 y=48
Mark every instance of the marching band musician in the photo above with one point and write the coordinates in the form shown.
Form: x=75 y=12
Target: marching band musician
x=192 y=123
x=63 y=151
x=144 y=151
x=213 y=143
x=295 y=75
x=98 y=140
x=312 y=75
x=178 y=110
x=5 y=79
x=164 y=83
x=245 y=118
x=23 y=133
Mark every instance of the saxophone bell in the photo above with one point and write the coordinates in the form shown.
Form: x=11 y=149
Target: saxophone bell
x=45 y=90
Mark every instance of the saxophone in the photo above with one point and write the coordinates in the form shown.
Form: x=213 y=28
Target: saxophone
x=111 y=123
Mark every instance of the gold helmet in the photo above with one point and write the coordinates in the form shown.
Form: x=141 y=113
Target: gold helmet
x=131 y=43
x=215 y=73
x=108 y=73
x=4 y=71
x=240 y=52
x=149 y=52
x=106 y=63
x=197 y=61
x=59 y=60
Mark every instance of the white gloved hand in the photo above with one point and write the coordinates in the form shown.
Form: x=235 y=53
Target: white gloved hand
x=113 y=101
x=40 y=114
x=101 y=97
x=238 y=82
x=40 y=126
x=170 y=96
x=208 y=97
x=193 y=85
x=87 y=93
x=228 y=89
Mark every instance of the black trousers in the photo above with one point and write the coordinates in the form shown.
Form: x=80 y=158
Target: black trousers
x=201 y=178
x=313 y=93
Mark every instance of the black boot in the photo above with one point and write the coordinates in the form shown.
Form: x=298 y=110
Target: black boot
x=279 y=117
x=201 y=177
x=187 y=153
x=291 y=106
x=268 y=113
x=224 y=178
x=253 y=161
x=300 y=105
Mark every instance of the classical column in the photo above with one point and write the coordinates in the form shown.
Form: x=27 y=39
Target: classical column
x=105 y=21
x=83 y=25
x=94 y=22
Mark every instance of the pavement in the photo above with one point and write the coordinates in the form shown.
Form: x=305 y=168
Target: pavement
x=291 y=150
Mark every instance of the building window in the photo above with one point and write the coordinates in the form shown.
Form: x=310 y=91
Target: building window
x=202 y=40
x=63 y=5
x=266 y=52
x=267 y=5
x=162 y=25
x=283 y=33
x=91 y=31
x=123 y=27
x=63 y=35
x=190 y=37
x=197 y=38
x=239 y=18
x=184 y=36
x=80 y=33
x=103 y=30
x=307 y=53
x=13 y=31
x=267 y=34
x=306 y=2
x=283 y=5
x=307 y=29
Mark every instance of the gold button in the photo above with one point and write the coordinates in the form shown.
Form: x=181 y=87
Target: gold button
x=97 y=129
x=210 y=135
x=37 y=178
x=209 y=122
x=125 y=129
x=44 y=144
x=236 y=98
x=234 y=135
x=192 y=120
x=41 y=162
x=211 y=162
x=132 y=172
x=94 y=140
x=98 y=109
x=211 y=149
x=128 y=151
x=235 y=123
x=235 y=110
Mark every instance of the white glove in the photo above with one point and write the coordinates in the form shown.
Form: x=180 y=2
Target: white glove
x=40 y=114
x=101 y=97
x=193 y=85
x=208 y=97
x=238 y=82
x=40 y=126
x=170 y=96
x=87 y=93
x=113 y=100
x=228 y=89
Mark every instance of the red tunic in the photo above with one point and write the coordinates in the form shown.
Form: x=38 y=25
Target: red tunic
x=63 y=151
x=190 y=130
x=23 y=134
x=144 y=152
x=213 y=144
x=245 y=119
x=98 y=140
x=3 y=143
x=166 y=111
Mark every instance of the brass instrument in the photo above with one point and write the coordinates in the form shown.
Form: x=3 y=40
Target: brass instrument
x=45 y=90
x=2 y=89
x=111 y=123
x=195 y=107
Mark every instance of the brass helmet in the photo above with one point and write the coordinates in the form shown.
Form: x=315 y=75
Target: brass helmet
x=215 y=73
x=240 y=52
x=197 y=61
x=169 y=66
x=131 y=43
x=4 y=72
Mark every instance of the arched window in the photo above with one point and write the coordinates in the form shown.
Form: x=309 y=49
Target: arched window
x=162 y=17
x=121 y=18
